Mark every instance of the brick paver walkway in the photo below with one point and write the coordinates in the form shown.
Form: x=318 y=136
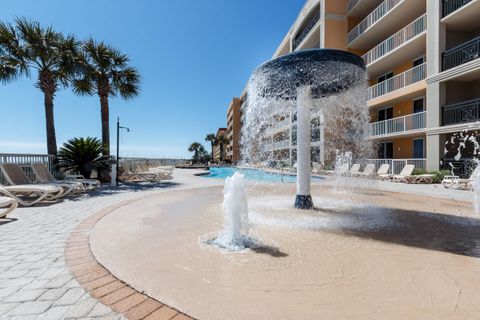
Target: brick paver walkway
x=35 y=282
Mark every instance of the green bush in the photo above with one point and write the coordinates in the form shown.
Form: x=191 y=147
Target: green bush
x=439 y=175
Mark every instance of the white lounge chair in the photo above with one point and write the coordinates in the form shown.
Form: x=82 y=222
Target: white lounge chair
x=404 y=174
x=455 y=182
x=382 y=173
x=8 y=202
x=353 y=170
x=17 y=178
x=368 y=171
x=45 y=177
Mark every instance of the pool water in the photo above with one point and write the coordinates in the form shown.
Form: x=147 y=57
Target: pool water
x=251 y=174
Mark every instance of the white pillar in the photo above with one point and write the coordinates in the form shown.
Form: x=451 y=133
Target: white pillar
x=304 y=105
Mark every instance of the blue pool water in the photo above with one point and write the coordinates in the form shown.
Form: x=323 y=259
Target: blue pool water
x=250 y=174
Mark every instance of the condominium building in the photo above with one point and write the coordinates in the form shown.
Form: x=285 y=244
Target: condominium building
x=218 y=148
x=423 y=64
x=233 y=130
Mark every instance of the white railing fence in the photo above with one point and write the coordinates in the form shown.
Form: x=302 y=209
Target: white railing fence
x=25 y=161
x=396 y=165
x=409 y=32
x=400 y=81
x=415 y=121
x=378 y=13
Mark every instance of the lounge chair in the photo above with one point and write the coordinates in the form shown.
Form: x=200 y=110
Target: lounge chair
x=353 y=170
x=455 y=182
x=404 y=175
x=17 y=178
x=7 y=202
x=44 y=175
x=382 y=173
x=368 y=171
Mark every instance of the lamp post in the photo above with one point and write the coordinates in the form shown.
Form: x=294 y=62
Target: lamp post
x=118 y=146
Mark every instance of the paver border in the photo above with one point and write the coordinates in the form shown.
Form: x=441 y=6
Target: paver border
x=102 y=285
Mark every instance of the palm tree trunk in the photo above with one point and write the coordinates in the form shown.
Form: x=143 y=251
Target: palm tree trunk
x=105 y=113
x=50 y=124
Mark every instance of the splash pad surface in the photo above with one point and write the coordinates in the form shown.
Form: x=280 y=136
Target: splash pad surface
x=405 y=256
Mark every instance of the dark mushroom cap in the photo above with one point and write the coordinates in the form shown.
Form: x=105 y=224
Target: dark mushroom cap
x=317 y=68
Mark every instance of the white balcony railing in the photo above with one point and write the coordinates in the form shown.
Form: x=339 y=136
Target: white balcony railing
x=415 y=121
x=400 y=81
x=398 y=39
x=396 y=165
x=377 y=14
x=352 y=4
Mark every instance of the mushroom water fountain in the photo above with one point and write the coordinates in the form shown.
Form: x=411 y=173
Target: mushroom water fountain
x=325 y=82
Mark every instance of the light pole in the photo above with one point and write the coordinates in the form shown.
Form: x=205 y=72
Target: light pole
x=118 y=146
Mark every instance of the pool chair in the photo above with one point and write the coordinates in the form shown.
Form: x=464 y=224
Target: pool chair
x=382 y=173
x=8 y=202
x=17 y=178
x=455 y=182
x=404 y=175
x=44 y=175
x=353 y=170
x=129 y=176
x=368 y=171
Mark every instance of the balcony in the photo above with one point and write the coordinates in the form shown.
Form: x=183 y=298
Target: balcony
x=306 y=30
x=411 y=123
x=450 y=6
x=377 y=14
x=463 y=112
x=407 y=38
x=461 y=54
x=398 y=82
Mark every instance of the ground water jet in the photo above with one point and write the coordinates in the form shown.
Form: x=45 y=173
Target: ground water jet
x=328 y=82
x=235 y=208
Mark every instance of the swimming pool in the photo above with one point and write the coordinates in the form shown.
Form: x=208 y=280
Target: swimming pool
x=251 y=174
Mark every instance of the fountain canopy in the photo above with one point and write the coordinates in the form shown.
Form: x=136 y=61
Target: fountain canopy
x=321 y=69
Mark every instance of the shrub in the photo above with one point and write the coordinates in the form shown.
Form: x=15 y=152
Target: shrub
x=84 y=155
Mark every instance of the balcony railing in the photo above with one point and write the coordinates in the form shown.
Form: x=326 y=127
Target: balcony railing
x=400 y=81
x=461 y=54
x=398 y=39
x=450 y=6
x=306 y=30
x=352 y=3
x=463 y=112
x=372 y=18
x=396 y=165
x=398 y=125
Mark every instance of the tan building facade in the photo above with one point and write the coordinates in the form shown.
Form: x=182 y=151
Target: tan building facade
x=234 y=130
x=423 y=65
x=218 y=148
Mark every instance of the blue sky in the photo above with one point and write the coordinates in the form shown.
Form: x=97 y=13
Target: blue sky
x=194 y=56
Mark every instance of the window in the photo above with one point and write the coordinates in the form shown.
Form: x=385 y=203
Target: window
x=385 y=150
x=385 y=114
x=419 y=148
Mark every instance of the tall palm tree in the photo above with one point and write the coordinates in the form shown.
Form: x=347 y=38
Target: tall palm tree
x=213 y=140
x=106 y=73
x=222 y=141
x=195 y=147
x=27 y=47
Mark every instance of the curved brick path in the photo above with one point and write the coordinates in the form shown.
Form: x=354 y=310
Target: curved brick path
x=35 y=281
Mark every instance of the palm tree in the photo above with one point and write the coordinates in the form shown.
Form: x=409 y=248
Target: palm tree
x=213 y=140
x=196 y=148
x=27 y=47
x=222 y=141
x=106 y=73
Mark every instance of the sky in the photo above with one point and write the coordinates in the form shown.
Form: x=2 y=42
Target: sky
x=194 y=56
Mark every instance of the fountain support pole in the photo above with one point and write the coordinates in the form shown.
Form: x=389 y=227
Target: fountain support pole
x=303 y=199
